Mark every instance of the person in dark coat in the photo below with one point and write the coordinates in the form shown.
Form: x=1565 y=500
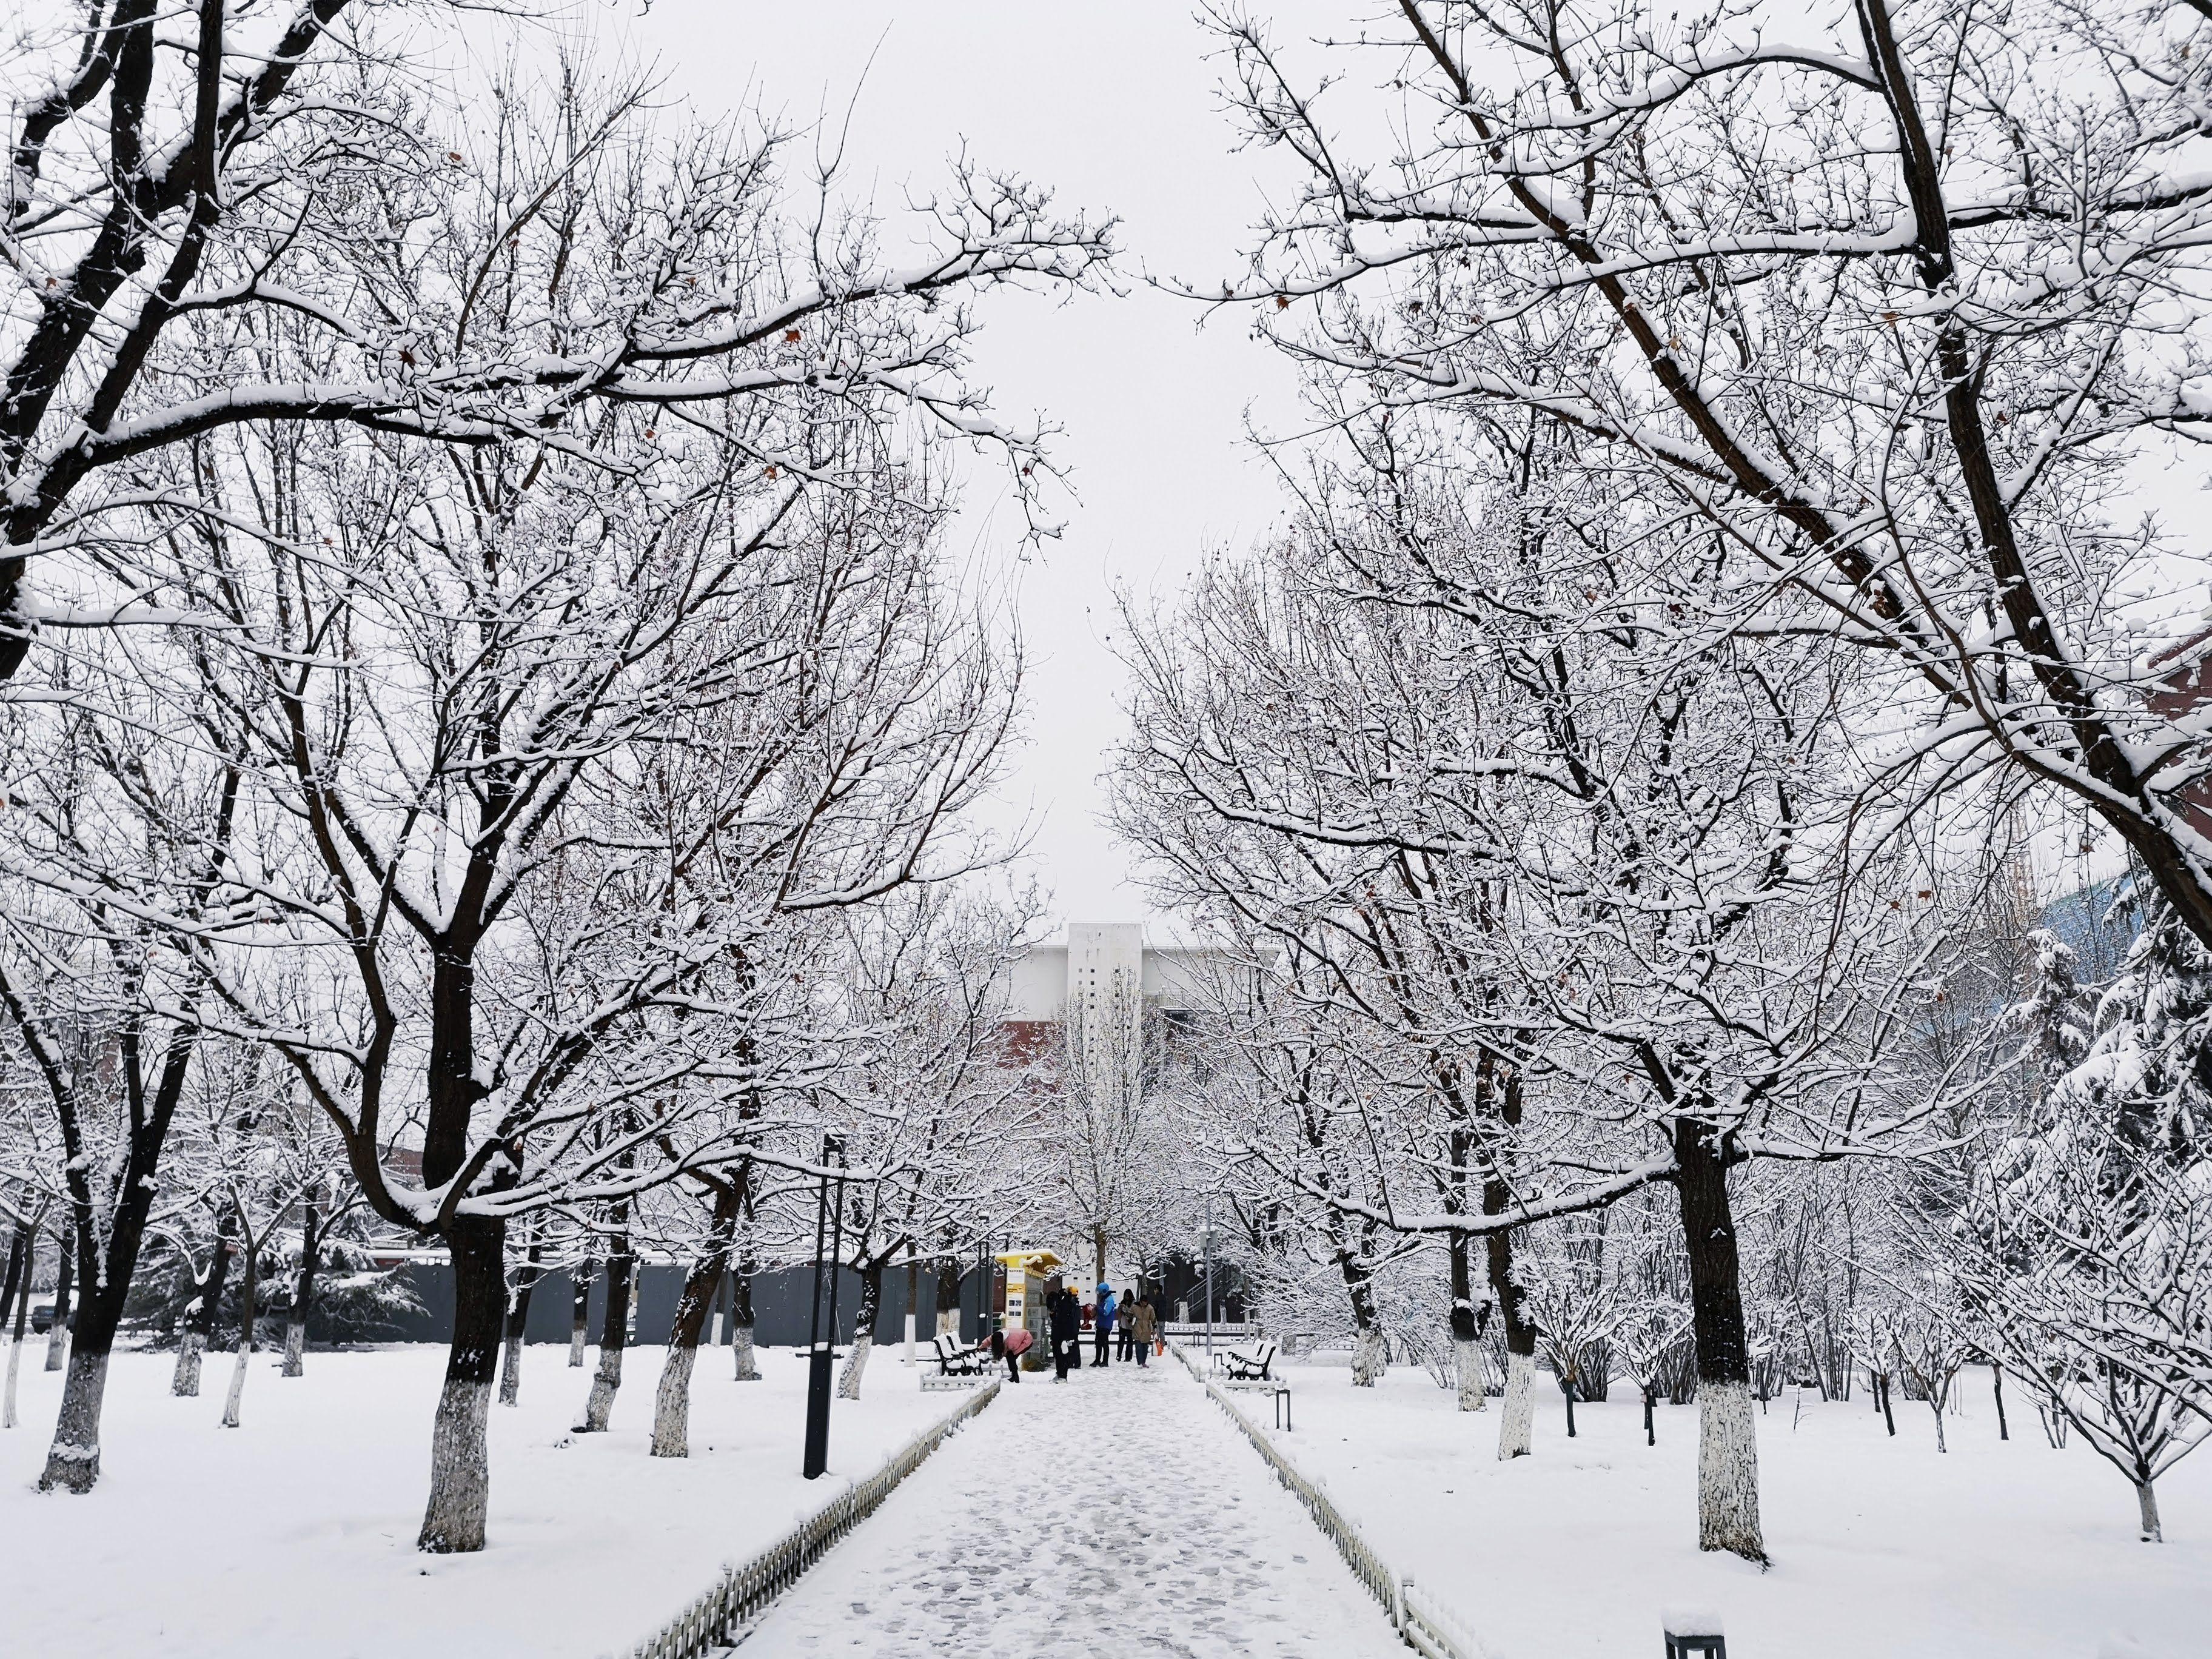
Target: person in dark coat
x=1067 y=1331
x=1125 y=1324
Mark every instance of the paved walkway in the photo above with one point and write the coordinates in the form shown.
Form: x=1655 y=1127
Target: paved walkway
x=1117 y=1514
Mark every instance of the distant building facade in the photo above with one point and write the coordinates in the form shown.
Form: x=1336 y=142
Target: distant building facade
x=1105 y=974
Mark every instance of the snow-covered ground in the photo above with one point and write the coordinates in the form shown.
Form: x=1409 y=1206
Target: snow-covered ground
x=1117 y=1515
x=293 y=1537
x=1997 y=1550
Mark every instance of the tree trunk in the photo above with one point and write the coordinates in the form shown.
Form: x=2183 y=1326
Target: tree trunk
x=1516 y=1418
x=23 y=1319
x=2147 y=1513
x=671 y=1402
x=1370 y=1355
x=1370 y=1359
x=106 y=1263
x=1466 y=1330
x=247 y=1285
x=18 y=1270
x=518 y=1319
x=741 y=1319
x=303 y=1292
x=864 y=1332
x=1097 y=1262
x=1996 y=1384
x=200 y=1326
x=948 y=1296
x=1650 y=1434
x=912 y=1301
x=614 y=1327
x=65 y=1280
x=18 y=1290
x=73 y=1460
x=460 y=1464
x=579 y=1309
x=1727 y=1445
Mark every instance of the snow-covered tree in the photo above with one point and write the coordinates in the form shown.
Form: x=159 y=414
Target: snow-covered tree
x=2082 y=1238
x=1887 y=300
x=458 y=259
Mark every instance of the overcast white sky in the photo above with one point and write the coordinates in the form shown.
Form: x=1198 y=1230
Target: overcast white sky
x=1115 y=107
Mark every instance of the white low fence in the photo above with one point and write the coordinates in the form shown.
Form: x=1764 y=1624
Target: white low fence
x=1425 y=1624
x=717 y=1618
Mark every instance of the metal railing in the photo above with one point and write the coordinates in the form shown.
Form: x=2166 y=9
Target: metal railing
x=717 y=1619
x=1223 y=1331
x=1424 y=1624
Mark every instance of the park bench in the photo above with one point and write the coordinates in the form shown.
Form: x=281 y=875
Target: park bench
x=1249 y=1364
x=956 y=1358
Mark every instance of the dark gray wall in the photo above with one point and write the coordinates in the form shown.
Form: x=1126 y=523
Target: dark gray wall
x=782 y=1305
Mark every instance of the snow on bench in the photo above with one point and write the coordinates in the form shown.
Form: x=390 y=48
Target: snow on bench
x=958 y=1366
x=1249 y=1364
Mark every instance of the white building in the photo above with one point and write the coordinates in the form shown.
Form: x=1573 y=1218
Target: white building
x=1051 y=977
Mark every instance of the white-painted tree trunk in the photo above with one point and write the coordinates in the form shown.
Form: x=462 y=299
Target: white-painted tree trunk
x=1516 y=1418
x=671 y=1403
x=15 y=1361
x=1728 y=1471
x=1371 y=1358
x=575 y=1346
x=2147 y=1507
x=73 y=1460
x=909 y=1358
x=296 y=1349
x=948 y=1322
x=747 y=1372
x=1471 y=1378
x=57 y=1341
x=599 y=1408
x=186 y=1382
x=230 y=1402
x=460 y=1471
x=856 y=1362
x=510 y=1371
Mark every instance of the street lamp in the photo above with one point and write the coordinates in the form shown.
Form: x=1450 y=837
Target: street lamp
x=830 y=1223
x=1206 y=1237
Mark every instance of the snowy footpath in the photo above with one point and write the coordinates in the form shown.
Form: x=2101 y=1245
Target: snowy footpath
x=1118 y=1514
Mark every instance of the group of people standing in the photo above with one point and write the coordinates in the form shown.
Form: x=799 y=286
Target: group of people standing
x=1134 y=1317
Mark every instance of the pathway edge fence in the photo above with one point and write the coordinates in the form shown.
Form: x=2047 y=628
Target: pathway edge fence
x=744 y=1589
x=1423 y=1623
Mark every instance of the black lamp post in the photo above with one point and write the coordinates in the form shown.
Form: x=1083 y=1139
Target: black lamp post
x=829 y=1225
x=983 y=1291
x=1206 y=1235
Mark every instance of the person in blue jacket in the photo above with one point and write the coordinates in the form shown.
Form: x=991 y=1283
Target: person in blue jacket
x=1103 y=1326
